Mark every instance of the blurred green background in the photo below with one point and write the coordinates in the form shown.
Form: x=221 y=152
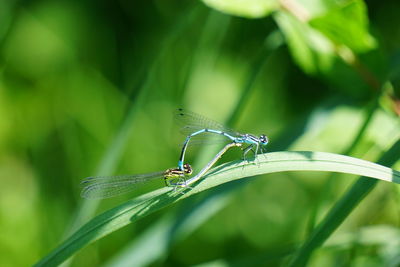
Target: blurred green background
x=89 y=88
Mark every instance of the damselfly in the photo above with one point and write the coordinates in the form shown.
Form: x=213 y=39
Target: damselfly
x=110 y=186
x=195 y=124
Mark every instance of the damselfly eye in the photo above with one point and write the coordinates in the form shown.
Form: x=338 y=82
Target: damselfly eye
x=187 y=168
x=264 y=139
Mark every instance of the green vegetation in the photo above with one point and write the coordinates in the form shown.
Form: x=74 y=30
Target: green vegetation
x=89 y=88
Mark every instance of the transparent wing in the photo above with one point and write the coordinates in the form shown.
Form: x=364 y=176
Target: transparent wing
x=110 y=186
x=192 y=122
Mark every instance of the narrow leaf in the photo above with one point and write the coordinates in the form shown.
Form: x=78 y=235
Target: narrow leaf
x=136 y=209
x=343 y=208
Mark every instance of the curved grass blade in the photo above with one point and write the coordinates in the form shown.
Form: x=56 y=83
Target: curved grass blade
x=137 y=209
x=361 y=188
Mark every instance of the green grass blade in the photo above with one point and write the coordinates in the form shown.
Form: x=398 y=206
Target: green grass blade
x=136 y=209
x=343 y=208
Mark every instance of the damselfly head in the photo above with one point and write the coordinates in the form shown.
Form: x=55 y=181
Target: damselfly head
x=179 y=112
x=187 y=169
x=263 y=139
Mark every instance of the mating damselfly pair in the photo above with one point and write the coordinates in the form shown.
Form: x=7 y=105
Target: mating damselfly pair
x=193 y=125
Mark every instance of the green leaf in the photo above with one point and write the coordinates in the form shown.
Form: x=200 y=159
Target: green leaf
x=312 y=51
x=136 y=209
x=244 y=8
x=315 y=30
x=346 y=25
